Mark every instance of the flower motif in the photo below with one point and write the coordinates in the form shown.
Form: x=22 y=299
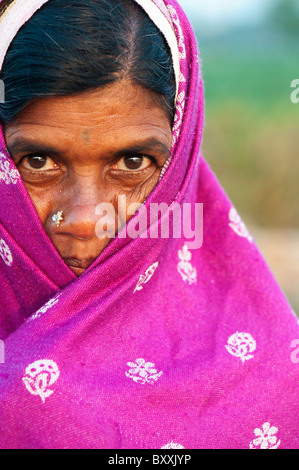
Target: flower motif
x=240 y=345
x=173 y=445
x=238 y=225
x=181 y=39
x=178 y=119
x=266 y=438
x=39 y=376
x=146 y=277
x=8 y=174
x=45 y=307
x=143 y=372
x=5 y=253
x=181 y=98
x=185 y=268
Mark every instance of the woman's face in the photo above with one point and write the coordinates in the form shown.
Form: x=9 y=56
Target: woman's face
x=76 y=152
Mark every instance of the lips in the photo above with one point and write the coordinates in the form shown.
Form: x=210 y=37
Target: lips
x=78 y=266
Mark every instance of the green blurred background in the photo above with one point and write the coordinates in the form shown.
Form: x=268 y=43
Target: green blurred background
x=250 y=56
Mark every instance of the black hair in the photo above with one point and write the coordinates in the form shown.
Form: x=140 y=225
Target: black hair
x=73 y=46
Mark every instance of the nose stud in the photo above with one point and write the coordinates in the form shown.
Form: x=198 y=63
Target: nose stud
x=58 y=218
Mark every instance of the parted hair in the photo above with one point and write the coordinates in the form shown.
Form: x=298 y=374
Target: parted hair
x=73 y=46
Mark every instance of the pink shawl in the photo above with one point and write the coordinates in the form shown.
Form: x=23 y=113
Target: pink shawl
x=158 y=345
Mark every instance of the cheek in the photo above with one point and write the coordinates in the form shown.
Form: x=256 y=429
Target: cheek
x=48 y=201
x=43 y=203
x=137 y=197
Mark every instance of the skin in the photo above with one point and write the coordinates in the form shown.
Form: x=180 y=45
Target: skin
x=78 y=151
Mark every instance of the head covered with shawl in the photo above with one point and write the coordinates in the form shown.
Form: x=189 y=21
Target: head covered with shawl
x=176 y=340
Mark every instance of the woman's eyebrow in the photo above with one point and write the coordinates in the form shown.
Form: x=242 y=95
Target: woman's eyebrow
x=148 y=144
x=23 y=146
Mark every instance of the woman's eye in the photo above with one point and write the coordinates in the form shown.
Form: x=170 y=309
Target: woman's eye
x=131 y=163
x=38 y=162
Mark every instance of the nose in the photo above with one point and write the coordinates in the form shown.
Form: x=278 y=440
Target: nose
x=79 y=211
x=80 y=221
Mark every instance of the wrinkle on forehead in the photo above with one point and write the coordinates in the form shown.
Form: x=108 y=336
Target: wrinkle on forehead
x=117 y=101
x=126 y=114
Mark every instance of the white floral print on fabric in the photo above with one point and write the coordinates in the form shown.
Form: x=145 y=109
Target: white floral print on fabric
x=8 y=174
x=176 y=22
x=178 y=119
x=241 y=345
x=238 y=226
x=173 y=445
x=185 y=268
x=5 y=253
x=39 y=376
x=144 y=278
x=181 y=98
x=143 y=372
x=266 y=438
x=45 y=307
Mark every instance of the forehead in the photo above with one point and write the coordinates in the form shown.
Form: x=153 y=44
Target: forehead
x=120 y=108
x=120 y=99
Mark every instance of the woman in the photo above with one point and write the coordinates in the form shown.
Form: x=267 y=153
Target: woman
x=126 y=341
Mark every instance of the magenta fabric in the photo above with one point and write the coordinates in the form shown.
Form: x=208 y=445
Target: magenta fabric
x=156 y=345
